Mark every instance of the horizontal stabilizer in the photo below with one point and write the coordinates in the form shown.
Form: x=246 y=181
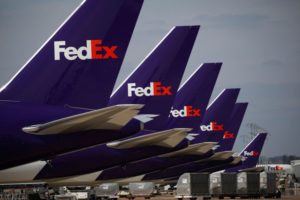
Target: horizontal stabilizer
x=223 y=155
x=236 y=160
x=195 y=149
x=84 y=179
x=110 y=118
x=21 y=174
x=253 y=169
x=169 y=138
x=132 y=179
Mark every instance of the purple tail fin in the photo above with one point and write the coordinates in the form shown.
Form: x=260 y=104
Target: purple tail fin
x=155 y=81
x=192 y=98
x=234 y=124
x=216 y=117
x=251 y=153
x=78 y=65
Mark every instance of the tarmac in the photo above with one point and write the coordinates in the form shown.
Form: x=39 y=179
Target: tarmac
x=171 y=197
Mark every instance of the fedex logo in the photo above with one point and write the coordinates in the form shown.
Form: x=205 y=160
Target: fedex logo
x=251 y=153
x=93 y=50
x=275 y=168
x=228 y=135
x=155 y=89
x=213 y=126
x=187 y=111
x=278 y=168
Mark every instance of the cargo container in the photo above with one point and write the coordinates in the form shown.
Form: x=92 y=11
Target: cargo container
x=142 y=189
x=193 y=185
x=248 y=184
x=229 y=184
x=65 y=197
x=215 y=187
x=223 y=185
x=268 y=185
x=107 y=191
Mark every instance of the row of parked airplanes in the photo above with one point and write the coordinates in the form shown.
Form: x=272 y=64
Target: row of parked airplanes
x=61 y=122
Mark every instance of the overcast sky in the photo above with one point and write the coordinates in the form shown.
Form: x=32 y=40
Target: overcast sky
x=258 y=41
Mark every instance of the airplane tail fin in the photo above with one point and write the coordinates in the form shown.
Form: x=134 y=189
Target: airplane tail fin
x=231 y=132
x=155 y=81
x=216 y=117
x=78 y=65
x=192 y=97
x=251 y=153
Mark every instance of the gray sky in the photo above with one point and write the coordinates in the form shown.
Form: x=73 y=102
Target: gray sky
x=258 y=41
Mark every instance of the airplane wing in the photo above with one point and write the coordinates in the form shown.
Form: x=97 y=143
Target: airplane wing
x=169 y=138
x=110 y=118
x=195 y=149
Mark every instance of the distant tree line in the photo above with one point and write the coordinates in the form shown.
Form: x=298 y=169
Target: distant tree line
x=284 y=159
